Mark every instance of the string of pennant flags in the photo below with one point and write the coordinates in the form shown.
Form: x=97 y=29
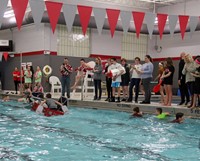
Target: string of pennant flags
x=69 y=11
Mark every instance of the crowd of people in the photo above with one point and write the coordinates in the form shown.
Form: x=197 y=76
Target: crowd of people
x=128 y=78
x=122 y=77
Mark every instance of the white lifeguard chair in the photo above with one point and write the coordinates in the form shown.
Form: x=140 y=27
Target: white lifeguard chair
x=55 y=84
x=86 y=87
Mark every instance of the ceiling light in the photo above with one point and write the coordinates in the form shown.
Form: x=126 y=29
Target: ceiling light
x=8 y=14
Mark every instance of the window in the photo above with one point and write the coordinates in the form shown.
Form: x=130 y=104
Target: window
x=132 y=46
x=74 y=43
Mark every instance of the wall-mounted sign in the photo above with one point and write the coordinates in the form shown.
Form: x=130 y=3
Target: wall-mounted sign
x=4 y=42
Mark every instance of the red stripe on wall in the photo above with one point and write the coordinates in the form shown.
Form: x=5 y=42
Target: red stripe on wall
x=163 y=59
x=36 y=53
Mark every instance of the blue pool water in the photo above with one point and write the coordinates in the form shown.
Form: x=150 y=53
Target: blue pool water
x=88 y=135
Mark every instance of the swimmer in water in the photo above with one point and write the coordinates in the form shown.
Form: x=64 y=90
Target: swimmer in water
x=136 y=112
x=160 y=114
x=179 y=118
x=6 y=98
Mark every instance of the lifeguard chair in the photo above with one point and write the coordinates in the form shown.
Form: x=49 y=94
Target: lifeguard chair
x=86 y=87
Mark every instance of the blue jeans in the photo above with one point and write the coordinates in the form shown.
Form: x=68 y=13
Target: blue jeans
x=97 y=87
x=146 y=84
x=134 y=82
x=65 y=85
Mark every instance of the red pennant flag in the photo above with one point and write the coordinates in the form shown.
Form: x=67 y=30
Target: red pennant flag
x=138 y=18
x=85 y=14
x=183 y=21
x=53 y=9
x=113 y=16
x=162 y=18
x=19 y=7
x=5 y=55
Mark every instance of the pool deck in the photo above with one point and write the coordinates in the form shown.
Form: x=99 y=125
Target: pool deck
x=126 y=106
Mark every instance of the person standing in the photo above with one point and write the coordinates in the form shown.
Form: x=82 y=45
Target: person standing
x=160 y=73
x=108 y=81
x=181 y=81
x=125 y=79
x=135 y=80
x=189 y=68
x=196 y=74
x=28 y=77
x=167 y=78
x=66 y=70
x=146 y=76
x=38 y=76
x=16 y=78
x=116 y=79
x=97 y=78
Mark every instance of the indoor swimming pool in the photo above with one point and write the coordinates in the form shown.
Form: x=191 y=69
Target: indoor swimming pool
x=89 y=134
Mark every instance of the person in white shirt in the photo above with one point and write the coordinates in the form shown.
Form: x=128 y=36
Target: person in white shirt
x=116 y=78
x=135 y=80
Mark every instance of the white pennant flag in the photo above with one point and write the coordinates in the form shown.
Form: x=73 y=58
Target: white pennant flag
x=194 y=20
x=37 y=9
x=150 y=20
x=172 y=23
x=99 y=15
x=125 y=18
x=69 y=14
x=3 y=6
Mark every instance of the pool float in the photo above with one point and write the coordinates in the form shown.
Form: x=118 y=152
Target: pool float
x=46 y=111
x=115 y=72
x=47 y=70
x=156 y=88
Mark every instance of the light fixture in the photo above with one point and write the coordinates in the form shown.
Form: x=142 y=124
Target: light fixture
x=12 y=20
x=8 y=14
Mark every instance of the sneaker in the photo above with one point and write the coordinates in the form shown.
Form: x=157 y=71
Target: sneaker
x=186 y=103
x=123 y=99
x=128 y=100
x=107 y=99
x=181 y=103
x=144 y=102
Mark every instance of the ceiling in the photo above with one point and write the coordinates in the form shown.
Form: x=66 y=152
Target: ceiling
x=147 y=5
x=143 y=4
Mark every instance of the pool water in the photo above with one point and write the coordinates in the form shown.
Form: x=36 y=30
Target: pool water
x=88 y=135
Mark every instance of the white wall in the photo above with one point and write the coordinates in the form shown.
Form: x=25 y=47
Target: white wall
x=50 y=39
x=27 y=39
x=191 y=7
x=173 y=46
x=105 y=45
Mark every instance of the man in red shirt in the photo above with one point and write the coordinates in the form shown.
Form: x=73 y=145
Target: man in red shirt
x=16 y=78
x=66 y=70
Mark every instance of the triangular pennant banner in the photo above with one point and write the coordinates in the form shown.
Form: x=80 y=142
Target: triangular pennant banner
x=150 y=19
x=183 y=21
x=37 y=9
x=125 y=18
x=85 y=14
x=172 y=23
x=69 y=14
x=138 y=18
x=113 y=16
x=162 y=18
x=5 y=55
x=19 y=7
x=3 y=6
x=53 y=9
x=1 y=57
x=194 y=20
x=99 y=15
